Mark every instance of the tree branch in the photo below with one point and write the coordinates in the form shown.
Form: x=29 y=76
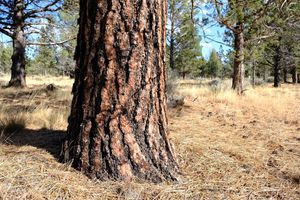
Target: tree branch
x=261 y=38
x=7 y=33
x=220 y=19
x=50 y=43
x=5 y=23
x=4 y=11
x=47 y=8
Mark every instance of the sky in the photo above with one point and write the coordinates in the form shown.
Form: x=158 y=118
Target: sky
x=212 y=35
x=213 y=39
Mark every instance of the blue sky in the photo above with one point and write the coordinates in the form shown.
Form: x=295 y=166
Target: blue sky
x=4 y=38
x=212 y=39
x=212 y=35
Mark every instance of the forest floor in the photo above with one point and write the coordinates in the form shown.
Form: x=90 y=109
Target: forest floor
x=228 y=147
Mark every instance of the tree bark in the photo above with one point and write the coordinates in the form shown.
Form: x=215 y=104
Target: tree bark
x=285 y=74
x=294 y=74
x=172 y=37
x=238 y=66
x=172 y=50
x=118 y=124
x=19 y=45
x=277 y=67
x=183 y=75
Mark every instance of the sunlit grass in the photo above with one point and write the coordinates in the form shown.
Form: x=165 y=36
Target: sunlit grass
x=228 y=146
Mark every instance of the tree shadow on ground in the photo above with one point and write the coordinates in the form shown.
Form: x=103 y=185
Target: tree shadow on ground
x=49 y=140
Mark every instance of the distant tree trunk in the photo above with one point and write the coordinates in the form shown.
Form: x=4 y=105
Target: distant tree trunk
x=172 y=39
x=253 y=73
x=285 y=72
x=118 y=124
x=19 y=45
x=172 y=62
x=265 y=73
x=277 y=67
x=294 y=74
x=238 y=66
x=183 y=75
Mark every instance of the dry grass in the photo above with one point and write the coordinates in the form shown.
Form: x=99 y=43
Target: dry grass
x=228 y=147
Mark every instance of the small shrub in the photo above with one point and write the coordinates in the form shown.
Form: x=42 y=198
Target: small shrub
x=171 y=85
x=175 y=101
x=259 y=81
x=270 y=79
x=215 y=85
x=247 y=83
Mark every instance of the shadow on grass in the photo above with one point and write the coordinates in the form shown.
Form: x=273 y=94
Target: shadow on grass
x=46 y=139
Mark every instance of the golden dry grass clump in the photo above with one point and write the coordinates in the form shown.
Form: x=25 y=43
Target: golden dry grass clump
x=228 y=147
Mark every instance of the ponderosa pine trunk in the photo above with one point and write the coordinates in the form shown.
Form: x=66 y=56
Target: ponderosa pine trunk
x=118 y=124
x=172 y=37
x=294 y=74
x=277 y=67
x=285 y=74
x=238 y=65
x=172 y=51
x=19 y=45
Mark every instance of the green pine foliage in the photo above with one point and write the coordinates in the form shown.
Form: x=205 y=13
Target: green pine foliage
x=5 y=58
x=57 y=59
x=44 y=61
x=68 y=22
x=189 y=58
x=184 y=34
x=213 y=67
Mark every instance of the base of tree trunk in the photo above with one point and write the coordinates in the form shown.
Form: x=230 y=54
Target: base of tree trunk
x=239 y=89
x=238 y=81
x=277 y=66
x=17 y=82
x=294 y=76
x=277 y=85
x=277 y=80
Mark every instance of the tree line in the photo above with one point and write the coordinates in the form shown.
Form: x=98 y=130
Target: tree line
x=263 y=36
